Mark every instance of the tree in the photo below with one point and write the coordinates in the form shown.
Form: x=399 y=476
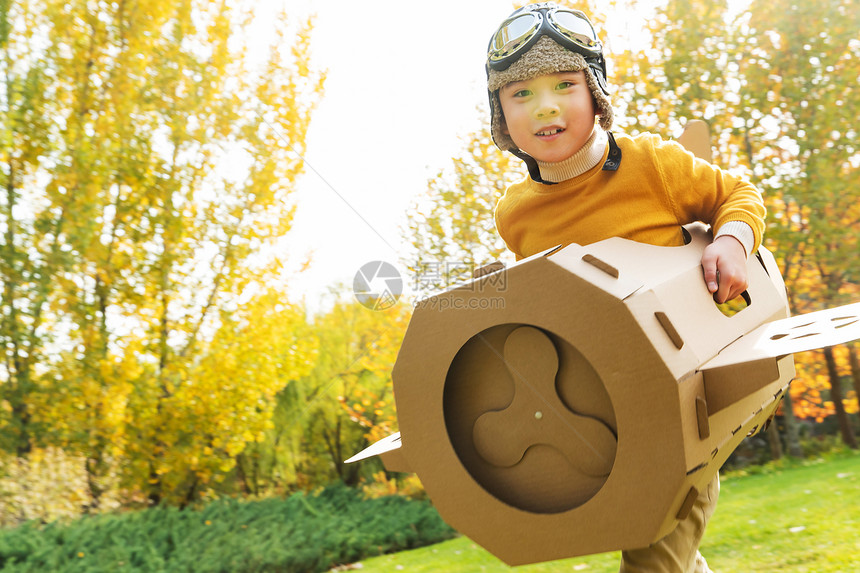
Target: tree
x=801 y=71
x=346 y=401
x=451 y=230
x=28 y=260
x=154 y=162
x=684 y=73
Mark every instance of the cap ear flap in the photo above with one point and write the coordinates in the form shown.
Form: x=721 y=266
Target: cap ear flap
x=602 y=106
x=498 y=125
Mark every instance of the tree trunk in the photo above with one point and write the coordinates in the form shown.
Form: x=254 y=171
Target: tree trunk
x=836 y=396
x=792 y=441
x=153 y=496
x=775 y=443
x=855 y=370
x=192 y=492
x=92 y=465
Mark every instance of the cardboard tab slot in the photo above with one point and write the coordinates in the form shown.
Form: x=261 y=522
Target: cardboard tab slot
x=687 y=506
x=701 y=466
x=602 y=265
x=702 y=418
x=670 y=329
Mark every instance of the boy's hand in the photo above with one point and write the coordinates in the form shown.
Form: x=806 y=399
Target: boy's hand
x=725 y=265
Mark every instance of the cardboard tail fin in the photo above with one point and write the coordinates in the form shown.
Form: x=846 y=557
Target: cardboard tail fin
x=389 y=449
x=697 y=139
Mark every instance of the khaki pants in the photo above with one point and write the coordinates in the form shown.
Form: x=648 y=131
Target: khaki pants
x=678 y=552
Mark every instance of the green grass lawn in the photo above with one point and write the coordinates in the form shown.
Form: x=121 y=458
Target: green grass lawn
x=801 y=518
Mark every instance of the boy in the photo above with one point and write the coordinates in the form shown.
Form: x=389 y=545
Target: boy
x=546 y=77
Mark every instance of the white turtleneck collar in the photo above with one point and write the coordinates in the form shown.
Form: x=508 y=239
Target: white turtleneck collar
x=580 y=162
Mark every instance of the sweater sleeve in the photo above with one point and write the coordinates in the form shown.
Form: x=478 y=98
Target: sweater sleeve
x=502 y=231
x=740 y=231
x=700 y=191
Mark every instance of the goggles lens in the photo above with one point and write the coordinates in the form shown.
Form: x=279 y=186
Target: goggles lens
x=513 y=33
x=575 y=26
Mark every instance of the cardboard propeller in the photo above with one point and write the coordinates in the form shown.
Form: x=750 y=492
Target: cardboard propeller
x=578 y=401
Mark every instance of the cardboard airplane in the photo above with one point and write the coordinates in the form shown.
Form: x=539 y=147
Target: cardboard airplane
x=578 y=401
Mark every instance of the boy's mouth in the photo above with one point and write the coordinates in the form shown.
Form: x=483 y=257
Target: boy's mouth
x=547 y=132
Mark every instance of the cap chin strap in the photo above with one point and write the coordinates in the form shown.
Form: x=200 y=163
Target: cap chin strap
x=531 y=163
x=612 y=163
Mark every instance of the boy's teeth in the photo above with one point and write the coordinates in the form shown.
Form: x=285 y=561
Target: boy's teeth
x=549 y=132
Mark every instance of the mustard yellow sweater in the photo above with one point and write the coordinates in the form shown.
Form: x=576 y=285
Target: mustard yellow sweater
x=658 y=188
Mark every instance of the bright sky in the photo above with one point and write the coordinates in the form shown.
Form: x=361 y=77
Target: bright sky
x=404 y=82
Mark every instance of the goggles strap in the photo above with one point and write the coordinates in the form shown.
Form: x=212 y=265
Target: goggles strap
x=598 y=69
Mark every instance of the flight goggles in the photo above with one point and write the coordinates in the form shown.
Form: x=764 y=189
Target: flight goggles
x=569 y=28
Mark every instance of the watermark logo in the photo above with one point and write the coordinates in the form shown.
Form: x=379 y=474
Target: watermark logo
x=479 y=288
x=440 y=275
x=377 y=285
x=443 y=303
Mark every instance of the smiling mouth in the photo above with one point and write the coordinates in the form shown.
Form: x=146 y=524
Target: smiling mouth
x=549 y=132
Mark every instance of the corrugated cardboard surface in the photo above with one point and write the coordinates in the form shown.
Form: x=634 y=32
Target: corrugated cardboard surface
x=565 y=410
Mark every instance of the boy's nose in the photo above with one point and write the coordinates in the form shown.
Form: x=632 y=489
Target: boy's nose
x=546 y=108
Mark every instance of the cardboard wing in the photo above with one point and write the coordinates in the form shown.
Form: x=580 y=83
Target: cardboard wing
x=760 y=348
x=577 y=401
x=796 y=334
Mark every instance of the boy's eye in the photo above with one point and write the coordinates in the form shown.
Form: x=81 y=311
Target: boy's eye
x=522 y=93
x=565 y=85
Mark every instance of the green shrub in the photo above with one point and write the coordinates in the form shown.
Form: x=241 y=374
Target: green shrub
x=303 y=533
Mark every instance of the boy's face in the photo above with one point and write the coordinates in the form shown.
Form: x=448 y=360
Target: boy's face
x=549 y=117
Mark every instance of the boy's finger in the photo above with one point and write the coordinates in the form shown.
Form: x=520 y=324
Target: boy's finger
x=729 y=290
x=724 y=293
x=712 y=276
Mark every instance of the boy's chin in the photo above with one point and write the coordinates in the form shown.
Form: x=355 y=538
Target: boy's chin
x=553 y=156
x=562 y=147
